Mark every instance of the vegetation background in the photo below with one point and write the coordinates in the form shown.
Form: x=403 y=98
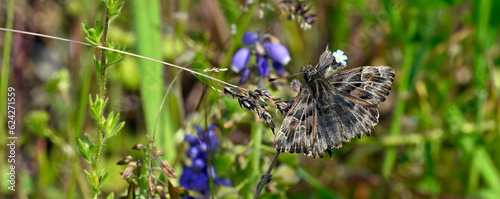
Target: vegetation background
x=439 y=130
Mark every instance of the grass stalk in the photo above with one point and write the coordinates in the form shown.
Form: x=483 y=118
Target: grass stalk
x=265 y=178
x=4 y=82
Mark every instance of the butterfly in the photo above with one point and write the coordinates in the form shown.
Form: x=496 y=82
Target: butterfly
x=333 y=107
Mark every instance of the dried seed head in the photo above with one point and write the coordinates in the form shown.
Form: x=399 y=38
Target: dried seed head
x=125 y=160
x=160 y=191
x=130 y=168
x=151 y=184
x=168 y=169
x=138 y=146
x=160 y=153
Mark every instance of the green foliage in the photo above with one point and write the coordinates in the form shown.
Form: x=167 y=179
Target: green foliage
x=85 y=148
x=114 y=8
x=94 y=35
x=113 y=57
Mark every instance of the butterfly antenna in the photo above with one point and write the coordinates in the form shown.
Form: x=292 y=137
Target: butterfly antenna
x=286 y=77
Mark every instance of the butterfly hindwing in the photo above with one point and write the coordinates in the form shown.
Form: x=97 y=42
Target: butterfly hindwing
x=367 y=85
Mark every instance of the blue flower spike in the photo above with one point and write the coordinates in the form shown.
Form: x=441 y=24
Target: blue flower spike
x=340 y=57
x=240 y=59
x=195 y=176
x=265 y=48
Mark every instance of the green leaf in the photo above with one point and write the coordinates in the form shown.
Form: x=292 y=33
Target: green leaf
x=99 y=30
x=115 y=130
x=82 y=150
x=103 y=177
x=114 y=57
x=90 y=34
x=90 y=178
x=320 y=189
x=85 y=29
x=91 y=148
x=171 y=191
x=109 y=121
x=111 y=196
x=97 y=65
x=114 y=8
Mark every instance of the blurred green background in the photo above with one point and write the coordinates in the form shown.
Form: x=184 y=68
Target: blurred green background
x=439 y=130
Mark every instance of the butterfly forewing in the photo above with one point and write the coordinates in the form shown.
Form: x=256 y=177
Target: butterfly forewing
x=300 y=122
x=333 y=108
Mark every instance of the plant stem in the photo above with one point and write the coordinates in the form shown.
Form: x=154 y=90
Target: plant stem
x=102 y=87
x=4 y=80
x=264 y=180
x=103 y=55
x=125 y=53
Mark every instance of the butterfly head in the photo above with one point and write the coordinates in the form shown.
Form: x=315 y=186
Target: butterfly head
x=309 y=72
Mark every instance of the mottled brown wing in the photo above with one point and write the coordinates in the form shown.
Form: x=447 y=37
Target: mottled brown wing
x=368 y=85
x=299 y=129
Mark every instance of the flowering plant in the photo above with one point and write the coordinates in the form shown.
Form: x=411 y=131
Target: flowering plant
x=265 y=47
x=195 y=177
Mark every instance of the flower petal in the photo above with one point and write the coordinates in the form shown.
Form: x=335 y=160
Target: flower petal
x=249 y=38
x=191 y=139
x=185 y=179
x=240 y=59
x=193 y=152
x=245 y=75
x=280 y=70
x=198 y=164
x=277 y=52
x=263 y=66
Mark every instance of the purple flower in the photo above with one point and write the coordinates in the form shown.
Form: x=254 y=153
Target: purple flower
x=263 y=51
x=278 y=68
x=191 y=139
x=195 y=177
x=240 y=59
x=193 y=152
x=245 y=75
x=198 y=164
x=277 y=52
x=249 y=38
x=263 y=66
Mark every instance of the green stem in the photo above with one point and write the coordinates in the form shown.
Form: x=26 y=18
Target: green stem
x=100 y=122
x=5 y=79
x=103 y=55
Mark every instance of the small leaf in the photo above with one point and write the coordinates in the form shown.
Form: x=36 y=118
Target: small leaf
x=99 y=29
x=89 y=177
x=103 y=177
x=91 y=148
x=171 y=191
x=114 y=9
x=97 y=65
x=86 y=139
x=115 y=130
x=82 y=150
x=111 y=196
x=85 y=29
x=114 y=57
